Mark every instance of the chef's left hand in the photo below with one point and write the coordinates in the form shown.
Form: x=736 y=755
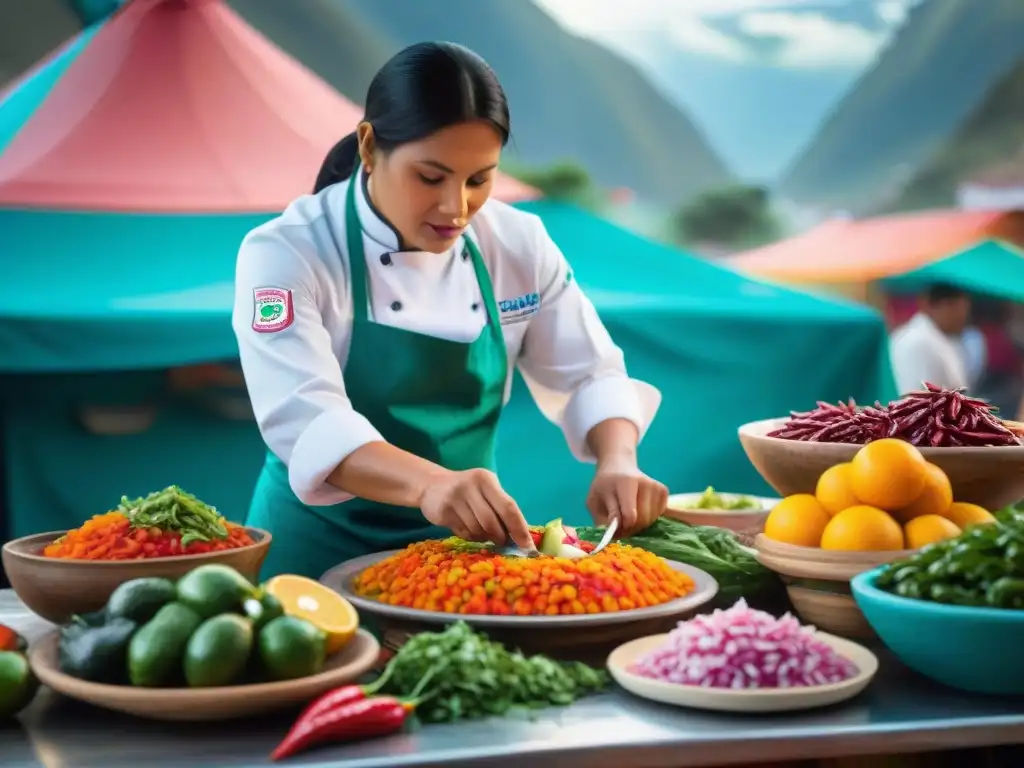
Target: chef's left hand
x=621 y=489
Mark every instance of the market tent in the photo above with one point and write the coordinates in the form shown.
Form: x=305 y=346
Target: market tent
x=990 y=268
x=861 y=251
x=178 y=106
x=132 y=162
x=722 y=348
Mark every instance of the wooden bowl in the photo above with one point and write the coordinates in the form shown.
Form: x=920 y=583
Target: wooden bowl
x=55 y=589
x=202 y=704
x=746 y=523
x=818 y=582
x=990 y=477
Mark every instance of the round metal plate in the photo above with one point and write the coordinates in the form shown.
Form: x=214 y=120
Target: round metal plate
x=340 y=580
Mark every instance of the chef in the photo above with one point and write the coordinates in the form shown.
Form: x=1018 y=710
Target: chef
x=379 y=321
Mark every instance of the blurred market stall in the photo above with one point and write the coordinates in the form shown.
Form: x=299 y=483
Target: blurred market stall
x=136 y=157
x=848 y=255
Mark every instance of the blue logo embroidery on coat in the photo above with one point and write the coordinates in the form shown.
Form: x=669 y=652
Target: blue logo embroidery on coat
x=519 y=307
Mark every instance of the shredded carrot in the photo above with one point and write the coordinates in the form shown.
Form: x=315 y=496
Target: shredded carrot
x=111 y=536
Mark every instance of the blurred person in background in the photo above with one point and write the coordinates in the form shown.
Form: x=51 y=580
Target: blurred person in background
x=929 y=347
x=1002 y=380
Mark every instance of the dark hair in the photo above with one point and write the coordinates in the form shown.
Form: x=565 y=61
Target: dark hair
x=939 y=292
x=418 y=91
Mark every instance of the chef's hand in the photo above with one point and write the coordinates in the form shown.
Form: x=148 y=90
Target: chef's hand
x=621 y=490
x=473 y=505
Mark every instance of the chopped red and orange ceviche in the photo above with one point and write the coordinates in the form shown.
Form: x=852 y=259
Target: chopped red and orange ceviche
x=164 y=524
x=451 y=577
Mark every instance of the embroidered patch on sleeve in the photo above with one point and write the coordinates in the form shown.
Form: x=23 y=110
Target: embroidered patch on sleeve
x=272 y=310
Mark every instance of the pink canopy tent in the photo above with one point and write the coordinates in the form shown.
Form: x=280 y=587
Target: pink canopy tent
x=179 y=106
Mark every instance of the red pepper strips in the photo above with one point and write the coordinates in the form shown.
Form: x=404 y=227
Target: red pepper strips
x=359 y=719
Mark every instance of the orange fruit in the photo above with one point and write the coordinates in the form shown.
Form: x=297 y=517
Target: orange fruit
x=321 y=606
x=834 y=491
x=797 y=519
x=862 y=529
x=927 y=529
x=934 y=499
x=888 y=474
x=963 y=514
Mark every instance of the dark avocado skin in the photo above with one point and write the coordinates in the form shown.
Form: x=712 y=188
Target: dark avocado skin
x=96 y=653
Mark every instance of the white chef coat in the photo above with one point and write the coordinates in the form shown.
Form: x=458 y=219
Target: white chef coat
x=921 y=352
x=295 y=375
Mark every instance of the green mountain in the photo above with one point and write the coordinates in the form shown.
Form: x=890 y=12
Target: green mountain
x=900 y=112
x=571 y=99
x=29 y=29
x=993 y=134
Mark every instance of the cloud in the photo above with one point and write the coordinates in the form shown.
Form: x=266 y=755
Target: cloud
x=800 y=31
x=894 y=12
x=696 y=36
x=812 y=39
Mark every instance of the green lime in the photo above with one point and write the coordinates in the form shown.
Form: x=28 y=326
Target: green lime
x=291 y=647
x=17 y=683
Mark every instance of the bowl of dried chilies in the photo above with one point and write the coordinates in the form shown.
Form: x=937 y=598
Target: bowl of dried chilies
x=980 y=453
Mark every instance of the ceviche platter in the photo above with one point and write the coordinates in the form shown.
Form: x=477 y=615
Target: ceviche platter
x=729 y=602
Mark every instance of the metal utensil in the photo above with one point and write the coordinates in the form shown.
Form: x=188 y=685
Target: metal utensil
x=511 y=549
x=609 y=534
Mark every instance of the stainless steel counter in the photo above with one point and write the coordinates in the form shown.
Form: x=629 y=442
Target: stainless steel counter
x=900 y=712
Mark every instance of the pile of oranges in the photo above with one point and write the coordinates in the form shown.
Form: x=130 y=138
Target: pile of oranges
x=887 y=498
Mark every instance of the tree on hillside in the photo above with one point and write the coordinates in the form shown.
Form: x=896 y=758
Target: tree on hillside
x=566 y=182
x=735 y=215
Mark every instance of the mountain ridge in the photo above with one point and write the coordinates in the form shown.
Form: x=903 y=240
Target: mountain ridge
x=921 y=88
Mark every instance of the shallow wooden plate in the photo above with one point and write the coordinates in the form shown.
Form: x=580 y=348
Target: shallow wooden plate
x=761 y=700
x=195 y=704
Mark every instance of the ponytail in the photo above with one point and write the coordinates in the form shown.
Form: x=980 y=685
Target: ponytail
x=339 y=164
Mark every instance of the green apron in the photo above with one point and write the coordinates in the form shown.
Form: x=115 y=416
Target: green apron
x=435 y=398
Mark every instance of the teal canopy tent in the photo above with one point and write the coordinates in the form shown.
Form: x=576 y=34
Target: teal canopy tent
x=991 y=268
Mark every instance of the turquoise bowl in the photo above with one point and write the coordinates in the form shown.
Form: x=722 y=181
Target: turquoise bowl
x=980 y=650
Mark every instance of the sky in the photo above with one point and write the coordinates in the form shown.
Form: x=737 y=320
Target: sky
x=757 y=76
x=783 y=33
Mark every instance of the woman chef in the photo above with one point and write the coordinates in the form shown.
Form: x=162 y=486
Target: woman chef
x=379 y=322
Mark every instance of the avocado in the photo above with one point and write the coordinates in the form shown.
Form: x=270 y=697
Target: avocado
x=156 y=650
x=140 y=599
x=291 y=647
x=95 y=653
x=218 y=651
x=213 y=589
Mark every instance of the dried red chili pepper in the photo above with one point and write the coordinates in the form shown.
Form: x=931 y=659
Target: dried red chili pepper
x=932 y=417
x=361 y=719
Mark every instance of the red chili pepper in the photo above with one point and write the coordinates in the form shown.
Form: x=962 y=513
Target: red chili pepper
x=363 y=719
x=347 y=694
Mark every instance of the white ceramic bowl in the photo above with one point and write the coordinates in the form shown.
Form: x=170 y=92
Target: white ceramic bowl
x=746 y=522
x=762 y=700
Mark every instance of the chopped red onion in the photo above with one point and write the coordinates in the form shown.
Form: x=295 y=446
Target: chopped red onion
x=741 y=648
